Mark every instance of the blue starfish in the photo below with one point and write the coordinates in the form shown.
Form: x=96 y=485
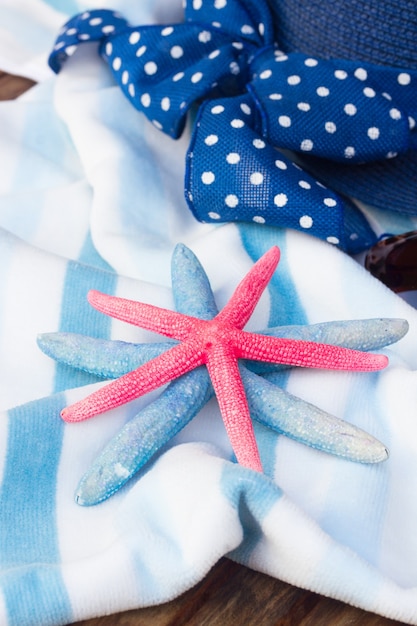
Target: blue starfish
x=147 y=432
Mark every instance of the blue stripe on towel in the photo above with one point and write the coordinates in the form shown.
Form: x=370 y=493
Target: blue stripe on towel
x=29 y=549
x=253 y=495
x=79 y=317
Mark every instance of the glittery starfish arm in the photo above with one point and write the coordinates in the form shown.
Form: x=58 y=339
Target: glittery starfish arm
x=106 y=358
x=224 y=373
x=304 y=422
x=307 y=353
x=191 y=287
x=143 y=436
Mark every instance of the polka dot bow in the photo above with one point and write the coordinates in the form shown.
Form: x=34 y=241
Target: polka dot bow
x=256 y=106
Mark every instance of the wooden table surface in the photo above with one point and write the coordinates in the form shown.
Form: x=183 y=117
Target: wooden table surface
x=230 y=595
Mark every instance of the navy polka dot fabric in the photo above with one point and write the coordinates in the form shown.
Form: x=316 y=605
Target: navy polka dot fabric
x=256 y=107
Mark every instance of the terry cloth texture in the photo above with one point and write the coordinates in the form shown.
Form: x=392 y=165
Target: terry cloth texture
x=91 y=196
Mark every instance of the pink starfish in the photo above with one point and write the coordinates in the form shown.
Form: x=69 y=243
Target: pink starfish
x=216 y=343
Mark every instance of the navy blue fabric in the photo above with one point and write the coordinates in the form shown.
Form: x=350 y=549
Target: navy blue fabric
x=223 y=58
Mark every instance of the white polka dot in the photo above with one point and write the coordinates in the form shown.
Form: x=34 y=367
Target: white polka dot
x=125 y=77
x=71 y=31
x=330 y=202
x=322 y=91
x=304 y=184
x=294 y=80
x=214 y=54
x=303 y=106
x=391 y=155
x=247 y=29
x=176 y=52
x=213 y=215
x=350 y=109
x=373 y=132
x=256 y=178
x=306 y=145
x=157 y=124
x=332 y=239
x=84 y=36
x=281 y=165
x=131 y=90
x=59 y=45
x=145 y=99
x=107 y=29
x=204 y=36
x=219 y=108
x=220 y=4
x=85 y=15
x=284 y=121
x=178 y=76
x=330 y=127
x=311 y=62
x=404 y=78
x=234 y=67
x=386 y=95
x=231 y=200
x=70 y=50
x=216 y=24
x=349 y=152
x=261 y=29
x=109 y=48
x=117 y=63
x=361 y=73
x=238 y=45
x=280 y=199
x=95 y=21
x=395 y=114
x=306 y=221
x=237 y=123
x=275 y=96
x=210 y=140
x=165 y=104
x=207 y=178
x=411 y=122
x=369 y=92
x=279 y=56
x=197 y=4
x=150 y=68
x=233 y=158
x=265 y=74
x=195 y=78
x=258 y=219
x=140 y=51
x=258 y=143
x=168 y=30
x=245 y=108
x=341 y=74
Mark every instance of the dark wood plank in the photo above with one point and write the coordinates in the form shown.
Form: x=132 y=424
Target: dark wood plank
x=13 y=86
x=230 y=595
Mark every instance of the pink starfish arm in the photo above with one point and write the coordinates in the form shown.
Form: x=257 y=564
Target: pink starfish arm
x=163 y=321
x=228 y=387
x=305 y=353
x=246 y=295
x=169 y=365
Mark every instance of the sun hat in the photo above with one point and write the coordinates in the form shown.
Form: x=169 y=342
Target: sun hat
x=225 y=62
x=371 y=31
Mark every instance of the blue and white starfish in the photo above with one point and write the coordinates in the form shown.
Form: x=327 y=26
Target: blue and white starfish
x=183 y=398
